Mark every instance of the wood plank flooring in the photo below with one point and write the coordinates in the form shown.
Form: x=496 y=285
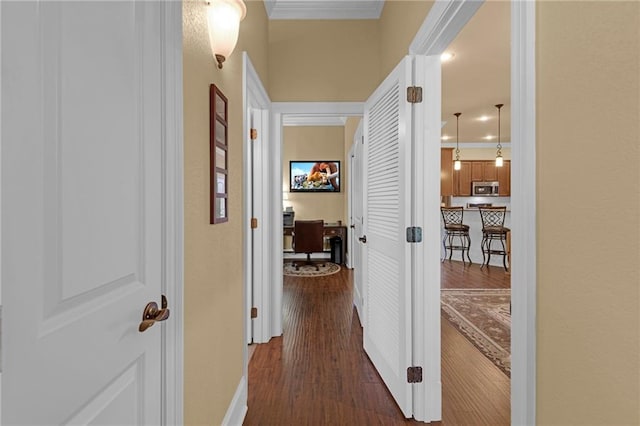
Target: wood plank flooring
x=318 y=374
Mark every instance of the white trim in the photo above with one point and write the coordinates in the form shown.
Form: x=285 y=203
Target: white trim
x=319 y=108
x=237 y=409
x=523 y=215
x=427 y=403
x=433 y=37
x=475 y=145
x=326 y=9
x=441 y=26
x=255 y=100
x=173 y=285
x=272 y=307
x=312 y=120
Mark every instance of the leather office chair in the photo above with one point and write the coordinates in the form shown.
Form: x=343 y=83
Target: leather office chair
x=308 y=237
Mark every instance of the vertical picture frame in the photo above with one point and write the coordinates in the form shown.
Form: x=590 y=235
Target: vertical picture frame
x=218 y=156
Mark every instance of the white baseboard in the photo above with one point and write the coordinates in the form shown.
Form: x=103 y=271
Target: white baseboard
x=238 y=408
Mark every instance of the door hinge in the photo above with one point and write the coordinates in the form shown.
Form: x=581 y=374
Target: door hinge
x=414 y=375
x=253 y=133
x=254 y=312
x=414 y=234
x=254 y=222
x=414 y=94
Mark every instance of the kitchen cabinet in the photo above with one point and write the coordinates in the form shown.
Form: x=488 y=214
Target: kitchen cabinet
x=446 y=172
x=481 y=171
x=477 y=171
x=504 y=179
x=490 y=171
x=462 y=179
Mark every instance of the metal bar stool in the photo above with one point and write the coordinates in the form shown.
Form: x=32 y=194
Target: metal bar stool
x=493 y=229
x=454 y=228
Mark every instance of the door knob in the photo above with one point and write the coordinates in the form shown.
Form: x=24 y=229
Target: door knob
x=363 y=239
x=151 y=314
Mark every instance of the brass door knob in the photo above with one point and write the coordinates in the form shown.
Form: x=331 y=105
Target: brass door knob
x=151 y=314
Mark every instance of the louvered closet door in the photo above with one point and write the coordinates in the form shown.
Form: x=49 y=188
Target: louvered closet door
x=386 y=255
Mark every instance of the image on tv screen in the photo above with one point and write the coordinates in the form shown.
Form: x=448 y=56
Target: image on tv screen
x=314 y=176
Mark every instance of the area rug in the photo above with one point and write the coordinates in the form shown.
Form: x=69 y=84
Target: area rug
x=483 y=316
x=326 y=268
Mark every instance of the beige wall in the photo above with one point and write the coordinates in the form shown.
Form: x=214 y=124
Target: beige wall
x=314 y=143
x=588 y=94
x=399 y=23
x=322 y=60
x=213 y=289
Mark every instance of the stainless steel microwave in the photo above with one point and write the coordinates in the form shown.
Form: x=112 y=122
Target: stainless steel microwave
x=485 y=189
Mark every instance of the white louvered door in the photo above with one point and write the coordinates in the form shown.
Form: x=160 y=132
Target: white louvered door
x=387 y=214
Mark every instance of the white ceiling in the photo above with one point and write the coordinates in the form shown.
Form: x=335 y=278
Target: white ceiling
x=476 y=79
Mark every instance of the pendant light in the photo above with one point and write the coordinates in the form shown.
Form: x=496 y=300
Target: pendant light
x=499 y=160
x=457 y=164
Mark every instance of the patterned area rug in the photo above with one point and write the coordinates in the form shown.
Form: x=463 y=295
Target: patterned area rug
x=483 y=316
x=326 y=268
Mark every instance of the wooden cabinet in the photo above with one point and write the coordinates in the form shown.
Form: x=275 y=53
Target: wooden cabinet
x=477 y=171
x=490 y=171
x=446 y=172
x=462 y=179
x=481 y=171
x=504 y=179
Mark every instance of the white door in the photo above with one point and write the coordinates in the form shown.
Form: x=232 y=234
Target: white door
x=387 y=214
x=356 y=220
x=82 y=184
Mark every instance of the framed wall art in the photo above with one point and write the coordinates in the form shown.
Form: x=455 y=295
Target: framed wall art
x=218 y=153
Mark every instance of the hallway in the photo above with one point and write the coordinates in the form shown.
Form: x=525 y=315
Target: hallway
x=317 y=373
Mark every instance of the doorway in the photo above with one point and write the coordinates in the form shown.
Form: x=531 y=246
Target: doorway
x=441 y=26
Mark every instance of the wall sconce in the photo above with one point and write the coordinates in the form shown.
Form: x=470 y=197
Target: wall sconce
x=224 y=18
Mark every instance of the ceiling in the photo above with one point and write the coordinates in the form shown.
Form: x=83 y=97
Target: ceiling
x=473 y=81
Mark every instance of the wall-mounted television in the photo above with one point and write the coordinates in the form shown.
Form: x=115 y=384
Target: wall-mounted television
x=314 y=176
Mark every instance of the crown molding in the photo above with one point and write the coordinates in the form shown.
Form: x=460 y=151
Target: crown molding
x=313 y=120
x=330 y=9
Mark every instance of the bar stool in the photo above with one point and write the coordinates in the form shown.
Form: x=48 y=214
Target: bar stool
x=493 y=229
x=453 y=227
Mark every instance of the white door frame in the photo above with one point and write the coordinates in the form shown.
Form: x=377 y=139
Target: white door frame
x=255 y=98
x=445 y=20
x=272 y=305
x=173 y=225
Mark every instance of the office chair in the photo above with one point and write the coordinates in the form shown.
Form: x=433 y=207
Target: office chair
x=308 y=237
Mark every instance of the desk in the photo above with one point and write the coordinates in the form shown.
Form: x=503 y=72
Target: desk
x=330 y=230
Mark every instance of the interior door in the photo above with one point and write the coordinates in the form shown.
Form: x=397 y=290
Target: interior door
x=387 y=214
x=82 y=185
x=357 y=220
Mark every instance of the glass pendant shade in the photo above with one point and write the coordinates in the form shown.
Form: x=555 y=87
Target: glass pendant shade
x=224 y=18
x=499 y=161
x=457 y=165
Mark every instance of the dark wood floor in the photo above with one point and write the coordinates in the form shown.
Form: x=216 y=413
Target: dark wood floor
x=317 y=373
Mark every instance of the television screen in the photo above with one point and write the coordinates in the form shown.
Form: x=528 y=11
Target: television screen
x=314 y=176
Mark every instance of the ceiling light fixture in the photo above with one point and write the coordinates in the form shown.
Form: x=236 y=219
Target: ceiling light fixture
x=456 y=164
x=483 y=118
x=445 y=137
x=446 y=56
x=499 y=160
x=488 y=137
x=224 y=18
